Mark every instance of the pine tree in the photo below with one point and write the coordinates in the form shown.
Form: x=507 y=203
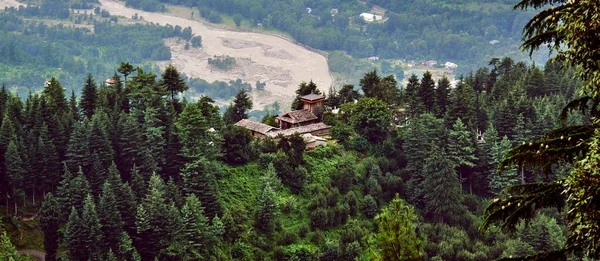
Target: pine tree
x=427 y=92
x=499 y=180
x=239 y=108
x=461 y=150
x=89 y=97
x=153 y=133
x=15 y=172
x=442 y=95
x=91 y=229
x=172 y=82
x=54 y=95
x=194 y=130
x=50 y=221
x=73 y=109
x=413 y=99
x=199 y=179
x=266 y=213
x=442 y=186
x=110 y=218
x=74 y=237
x=196 y=231
x=397 y=238
x=462 y=105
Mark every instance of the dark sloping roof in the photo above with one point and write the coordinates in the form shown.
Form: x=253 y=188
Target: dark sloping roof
x=302 y=129
x=312 y=97
x=255 y=126
x=297 y=116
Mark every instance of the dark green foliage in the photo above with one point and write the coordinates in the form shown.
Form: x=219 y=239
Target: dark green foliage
x=383 y=89
x=371 y=119
x=50 y=221
x=110 y=218
x=442 y=95
x=89 y=97
x=172 y=82
x=369 y=206
x=236 y=144
x=199 y=178
x=442 y=188
x=427 y=92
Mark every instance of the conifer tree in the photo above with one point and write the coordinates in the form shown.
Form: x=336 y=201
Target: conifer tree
x=78 y=151
x=194 y=130
x=153 y=133
x=54 y=95
x=442 y=96
x=462 y=105
x=15 y=172
x=172 y=82
x=196 y=231
x=129 y=147
x=126 y=202
x=50 y=221
x=73 y=109
x=110 y=218
x=413 y=99
x=461 y=150
x=442 y=187
x=48 y=159
x=427 y=92
x=91 y=229
x=75 y=237
x=266 y=213
x=499 y=180
x=239 y=108
x=397 y=237
x=199 y=179
x=89 y=97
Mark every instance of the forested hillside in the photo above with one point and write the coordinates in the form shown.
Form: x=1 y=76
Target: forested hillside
x=130 y=172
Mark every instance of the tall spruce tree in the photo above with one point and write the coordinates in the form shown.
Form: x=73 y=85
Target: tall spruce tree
x=89 y=97
x=50 y=221
x=267 y=211
x=442 y=96
x=427 y=92
x=199 y=179
x=110 y=218
x=442 y=188
x=239 y=108
x=412 y=98
x=461 y=150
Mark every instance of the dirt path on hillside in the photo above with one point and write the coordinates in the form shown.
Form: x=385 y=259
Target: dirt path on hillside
x=259 y=57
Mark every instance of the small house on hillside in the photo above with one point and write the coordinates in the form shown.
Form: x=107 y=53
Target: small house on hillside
x=370 y=17
x=450 y=65
x=303 y=122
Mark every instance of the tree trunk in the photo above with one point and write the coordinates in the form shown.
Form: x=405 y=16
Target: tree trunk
x=33 y=195
x=16 y=207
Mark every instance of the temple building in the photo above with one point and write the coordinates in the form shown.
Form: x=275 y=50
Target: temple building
x=305 y=122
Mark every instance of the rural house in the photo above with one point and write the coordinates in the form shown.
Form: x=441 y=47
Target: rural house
x=305 y=122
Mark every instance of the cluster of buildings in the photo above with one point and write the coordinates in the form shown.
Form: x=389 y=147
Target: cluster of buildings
x=304 y=122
